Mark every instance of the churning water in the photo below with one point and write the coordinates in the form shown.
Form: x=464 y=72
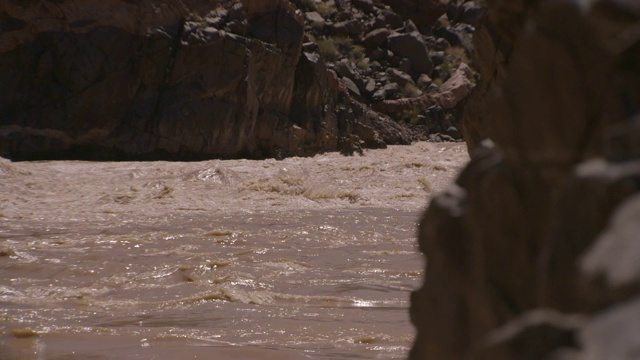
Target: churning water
x=305 y=258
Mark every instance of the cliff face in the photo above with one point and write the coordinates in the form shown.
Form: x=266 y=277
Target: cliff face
x=166 y=79
x=530 y=251
x=193 y=79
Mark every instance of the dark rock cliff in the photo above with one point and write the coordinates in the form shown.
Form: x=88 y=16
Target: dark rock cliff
x=533 y=252
x=187 y=79
x=196 y=79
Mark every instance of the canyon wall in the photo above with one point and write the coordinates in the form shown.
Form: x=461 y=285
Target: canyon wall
x=185 y=79
x=533 y=252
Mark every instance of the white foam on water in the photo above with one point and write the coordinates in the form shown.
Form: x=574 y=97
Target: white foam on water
x=304 y=258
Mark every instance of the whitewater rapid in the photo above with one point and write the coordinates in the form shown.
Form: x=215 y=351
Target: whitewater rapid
x=304 y=258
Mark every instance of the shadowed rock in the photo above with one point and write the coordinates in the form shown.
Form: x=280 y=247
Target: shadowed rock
x=544 y=216
x=413 y=48
x=159 y=79
x=424 y=13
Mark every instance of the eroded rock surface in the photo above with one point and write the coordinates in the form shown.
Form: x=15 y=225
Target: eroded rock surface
x=160 y=79
x=198 y=79
x=530 y=253
x=113 y=78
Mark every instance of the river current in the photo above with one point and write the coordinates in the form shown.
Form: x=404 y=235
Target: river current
x=304 y=258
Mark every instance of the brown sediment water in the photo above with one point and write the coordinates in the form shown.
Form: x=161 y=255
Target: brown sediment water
x=304 y=258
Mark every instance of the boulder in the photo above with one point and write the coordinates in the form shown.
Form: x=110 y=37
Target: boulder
x=459 y=35
x=310 y=46
x=391 y=89
x=376 y=54
x=399 y=77
x=391 y=19
x=316 y=20
x=456 y=88
x=376 y=38
x=348 y=28
x=424 y=81
x=376 y=23
x=437 y=57
x=405 y=65
x=370 y=87
x=413 y=48
x=410 y=27
x=379 y=95
x=351 y=86
x=344 y=68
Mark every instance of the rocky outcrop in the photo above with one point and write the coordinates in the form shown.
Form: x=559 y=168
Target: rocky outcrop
x=395 y=64
x=155 y=79
x=451 y=93
x=530 y=252
x=411 y=47
x=226 y=78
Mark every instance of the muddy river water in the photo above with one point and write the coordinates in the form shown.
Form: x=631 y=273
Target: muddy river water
x=305 y=258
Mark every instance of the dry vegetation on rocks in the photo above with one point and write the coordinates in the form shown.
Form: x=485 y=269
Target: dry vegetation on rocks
x=385 y=59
